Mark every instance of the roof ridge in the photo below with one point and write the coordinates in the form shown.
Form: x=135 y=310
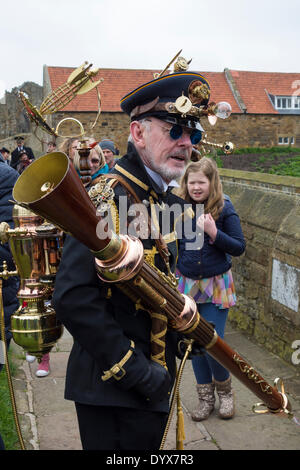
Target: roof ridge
x=235 y=91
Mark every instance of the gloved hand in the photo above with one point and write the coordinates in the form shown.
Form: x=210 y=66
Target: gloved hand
x=155 y=384
x=197 y=350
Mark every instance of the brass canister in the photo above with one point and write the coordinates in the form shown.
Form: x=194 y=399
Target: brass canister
x=36 y=248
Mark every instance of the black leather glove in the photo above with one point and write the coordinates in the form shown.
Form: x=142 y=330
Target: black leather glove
x=197 y=350
x=155 y=384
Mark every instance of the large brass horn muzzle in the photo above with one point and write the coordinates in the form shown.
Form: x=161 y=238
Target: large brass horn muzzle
x=51 y=187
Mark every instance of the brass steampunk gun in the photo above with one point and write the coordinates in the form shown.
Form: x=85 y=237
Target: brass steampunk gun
x=51 y=188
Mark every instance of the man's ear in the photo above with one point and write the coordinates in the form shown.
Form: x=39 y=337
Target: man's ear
x=138 y=134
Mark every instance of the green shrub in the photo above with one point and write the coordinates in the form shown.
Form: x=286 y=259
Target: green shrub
x=253 y=150
x=7 y=423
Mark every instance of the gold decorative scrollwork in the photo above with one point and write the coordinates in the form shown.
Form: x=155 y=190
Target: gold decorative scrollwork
x=252 y=374
x=102 y=195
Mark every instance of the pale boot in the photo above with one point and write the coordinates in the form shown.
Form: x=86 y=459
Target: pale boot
x=226 y=398
x=206 y=394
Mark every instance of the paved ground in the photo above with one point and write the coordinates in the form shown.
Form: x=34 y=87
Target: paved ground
x=48 y=422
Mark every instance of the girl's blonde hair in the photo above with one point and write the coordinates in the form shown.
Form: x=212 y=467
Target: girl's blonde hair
x=65 y=146
x=215 y=201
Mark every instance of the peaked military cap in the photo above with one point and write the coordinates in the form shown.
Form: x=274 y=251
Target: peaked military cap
x=178 y=96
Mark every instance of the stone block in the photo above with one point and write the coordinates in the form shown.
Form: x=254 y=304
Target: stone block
x=258 y=253
x=258 y=273
x=241 y=320
x=54 y=425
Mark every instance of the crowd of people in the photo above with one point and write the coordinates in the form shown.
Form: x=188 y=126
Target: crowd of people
x=115 y=384
x=22 y=155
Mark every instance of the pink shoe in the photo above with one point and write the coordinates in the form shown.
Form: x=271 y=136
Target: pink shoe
x=44 y=366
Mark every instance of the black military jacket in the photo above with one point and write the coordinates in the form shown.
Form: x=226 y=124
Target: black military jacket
x=103 y=326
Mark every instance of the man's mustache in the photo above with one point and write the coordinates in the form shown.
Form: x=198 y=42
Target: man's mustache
x=184 y=153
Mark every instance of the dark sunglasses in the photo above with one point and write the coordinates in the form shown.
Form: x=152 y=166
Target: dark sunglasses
x=176 y=132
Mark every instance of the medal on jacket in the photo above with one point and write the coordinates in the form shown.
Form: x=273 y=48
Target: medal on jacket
x=102 y=195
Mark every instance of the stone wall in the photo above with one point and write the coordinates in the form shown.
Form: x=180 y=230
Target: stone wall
x=267 y=275
x=113 y=126
x=13 y=118
x=244 y=130
x=256 y=130
x=31 y=140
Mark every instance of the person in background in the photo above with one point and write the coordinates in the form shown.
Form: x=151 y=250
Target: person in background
x=69 y=147
x=205 y=274
x=109 y=151
x=51 y=146
x=15 y=156
x=96 y=160
x=23 y=162
x=97 y=163
x=6 y=155
x=10 y=286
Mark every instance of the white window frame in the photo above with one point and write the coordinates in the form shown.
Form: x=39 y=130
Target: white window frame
x=287 y=102
x=286 y=140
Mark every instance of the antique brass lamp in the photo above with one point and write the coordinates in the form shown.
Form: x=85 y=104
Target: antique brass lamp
x=36 y=249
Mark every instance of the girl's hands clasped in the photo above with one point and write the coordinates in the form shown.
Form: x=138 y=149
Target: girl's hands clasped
x=206 y=223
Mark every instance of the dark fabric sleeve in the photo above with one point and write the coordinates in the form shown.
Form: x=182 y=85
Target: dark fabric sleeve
x=230 y=238
x=10 y=286
x=82 y=307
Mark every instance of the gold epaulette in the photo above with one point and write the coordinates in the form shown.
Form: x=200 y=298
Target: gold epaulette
x=135 y=180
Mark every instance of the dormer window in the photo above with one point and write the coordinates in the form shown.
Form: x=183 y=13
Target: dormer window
x=287 y=102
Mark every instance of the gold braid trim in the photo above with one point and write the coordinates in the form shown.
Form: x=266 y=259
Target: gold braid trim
x=131 y=177
x=156 y=338
x=115 y=217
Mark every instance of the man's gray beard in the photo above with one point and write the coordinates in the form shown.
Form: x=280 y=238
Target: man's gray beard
x=166 y=173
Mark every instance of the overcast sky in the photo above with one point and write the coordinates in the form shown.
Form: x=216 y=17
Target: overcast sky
x=257 y=35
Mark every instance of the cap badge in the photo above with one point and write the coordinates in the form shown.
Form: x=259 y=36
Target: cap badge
x=198 y=92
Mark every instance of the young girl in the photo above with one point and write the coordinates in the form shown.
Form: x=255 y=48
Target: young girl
x=206 y=276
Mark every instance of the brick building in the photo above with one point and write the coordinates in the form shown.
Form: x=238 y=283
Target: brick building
x=265 y=106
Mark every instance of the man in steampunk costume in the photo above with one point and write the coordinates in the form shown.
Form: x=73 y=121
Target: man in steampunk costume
x=121 y=393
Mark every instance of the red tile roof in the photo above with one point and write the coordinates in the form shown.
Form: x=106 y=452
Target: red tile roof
x=255 y=86
x=118 y=82
x=220 y=90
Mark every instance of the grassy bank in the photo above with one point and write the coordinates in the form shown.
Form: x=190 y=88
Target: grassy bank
x=7 y=424
x=283 y=161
